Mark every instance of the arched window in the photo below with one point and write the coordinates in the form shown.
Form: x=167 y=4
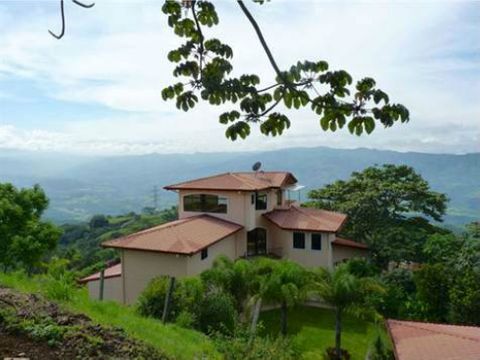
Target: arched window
x=205 y=203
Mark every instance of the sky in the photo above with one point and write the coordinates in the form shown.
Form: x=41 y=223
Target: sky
x=98 y=90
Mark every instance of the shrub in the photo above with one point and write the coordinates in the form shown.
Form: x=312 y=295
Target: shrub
x=240 y=347
x=185 y=319
x=60 y=289
x=187 y=297
x=331 y=354
x=380 y=351
x=400 y=287
x=152 y=299
x=217 y=313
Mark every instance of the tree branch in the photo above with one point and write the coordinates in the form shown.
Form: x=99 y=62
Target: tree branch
x=62 y=12
x=269 y=87
x=272 y=107
x=262 y=39
x=202 y=50
x=87 y=6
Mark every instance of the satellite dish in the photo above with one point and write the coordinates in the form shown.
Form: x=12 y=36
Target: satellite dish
x=257 y=166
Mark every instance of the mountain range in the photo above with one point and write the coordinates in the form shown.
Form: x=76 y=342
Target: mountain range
x=79 y=186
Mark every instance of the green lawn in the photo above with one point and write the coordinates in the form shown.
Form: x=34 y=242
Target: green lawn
x=313 y=330
x=174 y=341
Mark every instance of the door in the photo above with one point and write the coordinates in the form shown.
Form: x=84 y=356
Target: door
x=257 y=242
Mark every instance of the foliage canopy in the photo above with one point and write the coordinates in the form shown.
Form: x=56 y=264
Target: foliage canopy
x=205 y=70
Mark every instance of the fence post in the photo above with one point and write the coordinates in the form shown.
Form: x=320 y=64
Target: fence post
x=102 y=284
x=168 y=299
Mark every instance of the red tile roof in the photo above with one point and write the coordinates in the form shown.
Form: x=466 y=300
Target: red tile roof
x=186 y=236
x=427 y=341
x=350 y=243
x=306 y=219
x=238 y=181
x=113 y=271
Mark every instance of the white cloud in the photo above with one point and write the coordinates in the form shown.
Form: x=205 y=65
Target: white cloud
x=115 y=55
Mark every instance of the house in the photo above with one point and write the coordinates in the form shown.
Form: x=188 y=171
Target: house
x=427 y=341
x=242 y=214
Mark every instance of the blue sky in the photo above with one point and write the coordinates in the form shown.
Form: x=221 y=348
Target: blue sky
x=98 y=89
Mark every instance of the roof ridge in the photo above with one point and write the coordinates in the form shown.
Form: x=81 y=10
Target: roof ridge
x=246 y=181
x=201 y=178
x=415 y=325
x=168 y=224
x=307 y=214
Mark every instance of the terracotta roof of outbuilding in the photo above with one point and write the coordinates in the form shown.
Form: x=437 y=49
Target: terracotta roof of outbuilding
x=306 y=219
x=426 y=341
x=238 y=181
x=112 y=271
x=350 y=243
x=186 y=236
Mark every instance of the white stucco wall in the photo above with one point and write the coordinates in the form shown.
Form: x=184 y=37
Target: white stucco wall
x=281 y=243
x=341 y=253
x=112 y=289
x=139 y=267
x=227 y=247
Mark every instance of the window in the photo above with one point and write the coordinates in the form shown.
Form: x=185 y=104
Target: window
x=205 y=203
x=257 y=242
x=260 y=201
x=298 y=240
x=279 y=197
x=316 y=241
x=204 y=254
x=252 y=199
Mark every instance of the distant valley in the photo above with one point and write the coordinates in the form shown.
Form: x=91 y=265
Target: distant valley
x=80 y=186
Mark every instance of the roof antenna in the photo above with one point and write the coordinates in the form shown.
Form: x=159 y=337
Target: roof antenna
x=256 y=167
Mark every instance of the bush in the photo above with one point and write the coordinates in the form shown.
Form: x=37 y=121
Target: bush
x=185 y=319
x=60 y=289
x=239 y=347
x=187 y=297
x=152 y=299
x=331 y=354
x=399 y=298
x=361 y=267
x=380 y=351
x=59 y=282
x=217 y=313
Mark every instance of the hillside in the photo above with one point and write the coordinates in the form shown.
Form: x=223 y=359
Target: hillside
x=81 y=242
x=80 y=186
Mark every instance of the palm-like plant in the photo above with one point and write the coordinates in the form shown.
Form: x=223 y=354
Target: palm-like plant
x=233 y=277
x=344 y=292
x=281 y=282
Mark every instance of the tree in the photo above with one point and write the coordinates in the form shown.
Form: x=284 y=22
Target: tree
x=433 y=285
x=24 y=238
x=281 y=282
x=344 y=292
x=379 y=196
x=204 y=68
x=465 y=289
x=388 y=207
x=402 y=241
x=233 y=277
x=98 y=221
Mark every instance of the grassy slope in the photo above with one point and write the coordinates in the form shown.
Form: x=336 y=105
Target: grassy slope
x=313 y=331
x=177 y=342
